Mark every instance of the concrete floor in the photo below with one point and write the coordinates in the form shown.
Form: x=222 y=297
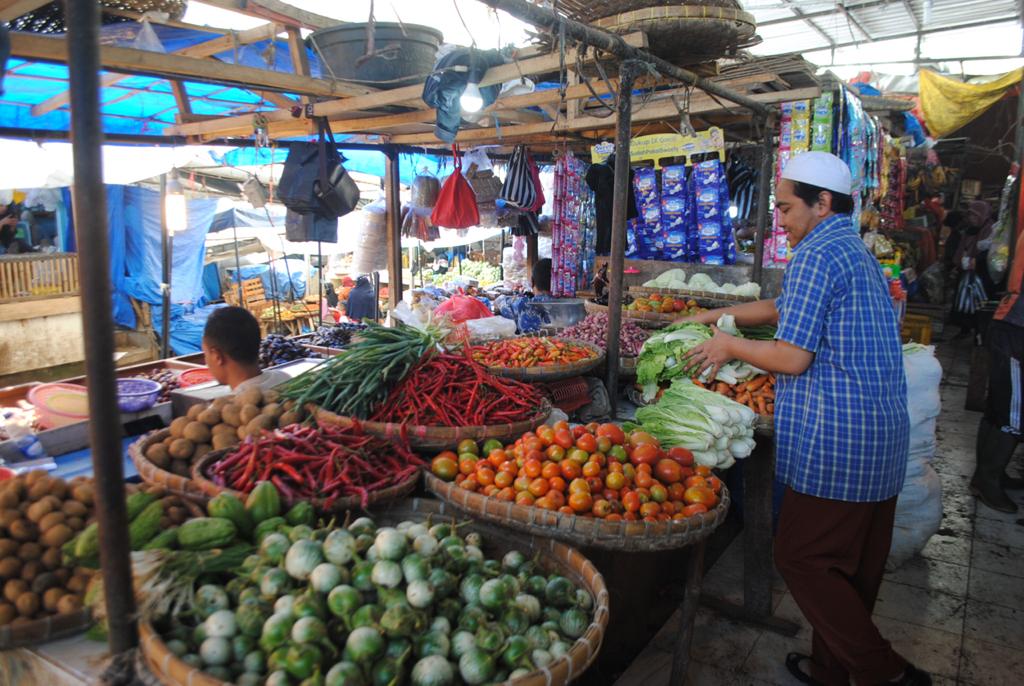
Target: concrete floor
x=957 y=610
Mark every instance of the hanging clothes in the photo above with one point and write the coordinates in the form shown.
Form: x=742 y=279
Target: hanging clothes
x=743 y=180
x=444 y=86
x=601 y=179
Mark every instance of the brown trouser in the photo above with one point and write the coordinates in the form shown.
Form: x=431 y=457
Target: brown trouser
x=832 y=555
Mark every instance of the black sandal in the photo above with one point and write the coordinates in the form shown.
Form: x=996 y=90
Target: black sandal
x=793 y=661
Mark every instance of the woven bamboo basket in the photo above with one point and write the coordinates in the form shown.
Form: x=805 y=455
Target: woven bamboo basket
x=648 y=320
x=552 y=556
x=699 y=296
x=686 y=33
x=46 y=629
x=151 y=474
x=554 y=372
x=582 y=531
x=437 y=437
x=211 y=489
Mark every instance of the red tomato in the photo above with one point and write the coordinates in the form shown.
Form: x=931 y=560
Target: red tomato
x=649 y=509
x=578 y=431
x=644 y=479
x=604 y=444
x=681 y=455
x=644 y=453
x=444 y=467
x=659 y=493
x=564 y=438
x=532 y=468
x=581 y=502
x=641 y=437
x=587 y=443
x=503 y=479
x=550 y=469
x=696 y=508
x=612 y=432
x=555 y=453
x=521 y=484
x=692 y=481
x=524 y=498
x=602 y=508
x=539 y=487
x=668 y=471
x=676 y=490
x=631 y=501
x=579 y=485
x=700 y=494
x=715 y=484
x=615 y=481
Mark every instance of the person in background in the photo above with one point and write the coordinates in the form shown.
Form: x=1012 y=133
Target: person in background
x=841 y=424
x=974 y=286
x=231 y=344
x=10 y=244
x=954 y=222
x=541 y=278
x=1001 y=428
x=360 y=304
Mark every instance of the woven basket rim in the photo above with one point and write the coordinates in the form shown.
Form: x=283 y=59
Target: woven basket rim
x=28 y=634
x=152 y=474
x=687 y=293
x=584 y=531
x=648 y=320
x=392 y=492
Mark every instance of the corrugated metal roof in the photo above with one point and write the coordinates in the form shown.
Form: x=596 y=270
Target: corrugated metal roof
x=805 y=25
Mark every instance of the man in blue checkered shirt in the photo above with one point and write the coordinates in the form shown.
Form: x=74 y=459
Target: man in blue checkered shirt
x=841 y=423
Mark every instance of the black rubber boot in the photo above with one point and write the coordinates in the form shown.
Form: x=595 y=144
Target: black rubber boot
x=1012 y=483
x=994 y=450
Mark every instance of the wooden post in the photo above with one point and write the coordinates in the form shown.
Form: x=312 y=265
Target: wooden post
x=688 y=613
x=393 y=201
x=764 y=189
x=620 y=193
x=165 y=286
x=89 y=203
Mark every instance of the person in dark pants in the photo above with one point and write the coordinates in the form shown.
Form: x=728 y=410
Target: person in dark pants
x=360 y=304
x=1001 y=426
x=841 y=423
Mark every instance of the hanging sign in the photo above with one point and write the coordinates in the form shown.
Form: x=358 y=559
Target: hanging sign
x=659 y=146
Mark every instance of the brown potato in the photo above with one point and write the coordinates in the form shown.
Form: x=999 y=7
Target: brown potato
x=223 y=440
x=57 y=536
x=40 y=488
x=76 y=523
x=194 y=411
x=288 y=418
x=51 y=558
x=73 y=508
x=31 y=570
x=23 y=530
x=83 y=493
x=271 y=396
x=182 y=449
x=40 y=509
x=10 y=568
x=27 y=604
x=177 y=515
x=9 y=498
x=158 y=455
x=14 y=588
x=69 y=604
x=253 y=396
x=201 y=450
x=219 y=403
x=8 y=517
x=43 y=582
x=51 y=596
x=7 y=613
x=231 y=414
x=34 y=476
x=58 y=489
x=272 y=410
x=30 y=550
x=7 y=548
x=51 y=520
x=197 y=432
x=209 y=416
x=77 y=583
x=178 y=427
x=62 y=574
x=249 y=413
x=223 y=429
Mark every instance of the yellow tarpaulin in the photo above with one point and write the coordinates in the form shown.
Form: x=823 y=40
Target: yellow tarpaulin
x=948 y=104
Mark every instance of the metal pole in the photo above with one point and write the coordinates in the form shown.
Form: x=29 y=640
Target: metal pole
x=89 y=203
x=238 y=264
x=620 y=193
x=393 y=202
x=320 y=282
x=610 y=42
x=165 y=287
x=764 y=189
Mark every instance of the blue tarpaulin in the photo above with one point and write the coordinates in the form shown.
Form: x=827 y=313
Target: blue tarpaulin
x=290 y=277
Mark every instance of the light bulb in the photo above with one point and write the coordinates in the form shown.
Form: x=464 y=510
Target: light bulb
x=471 y=100
x=734 y=211
x=177 y=219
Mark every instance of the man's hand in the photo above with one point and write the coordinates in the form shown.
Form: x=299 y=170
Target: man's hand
x=713 y=353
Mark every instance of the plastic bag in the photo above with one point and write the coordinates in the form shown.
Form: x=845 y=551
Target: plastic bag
x=456 y=205
x=491 y=327
x=918 y=513
x=424 y=193
x=461 y=308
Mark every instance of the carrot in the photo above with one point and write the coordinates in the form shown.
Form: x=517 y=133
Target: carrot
x=743 y=397
x=755 y=384
x=771 y=408
x=761 y=406
x=698 y=383
x=722 y=388
x=768 y=393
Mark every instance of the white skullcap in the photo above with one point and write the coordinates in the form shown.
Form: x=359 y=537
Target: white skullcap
x=821 y=169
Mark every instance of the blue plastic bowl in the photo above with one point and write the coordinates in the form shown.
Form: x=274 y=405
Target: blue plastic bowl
x=136 y=395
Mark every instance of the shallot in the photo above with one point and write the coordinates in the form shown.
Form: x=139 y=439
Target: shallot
x=594 y=329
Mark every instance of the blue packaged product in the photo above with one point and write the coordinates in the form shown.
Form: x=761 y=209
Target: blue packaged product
x=673 y=180
x=631 y=246
x=708 y=172
x=690 y=220
x=645 y=184
x=673 y=224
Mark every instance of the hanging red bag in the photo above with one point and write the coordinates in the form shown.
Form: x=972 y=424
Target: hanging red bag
x=456 y=204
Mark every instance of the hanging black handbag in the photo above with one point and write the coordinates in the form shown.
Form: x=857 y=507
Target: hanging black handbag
x=314 y=179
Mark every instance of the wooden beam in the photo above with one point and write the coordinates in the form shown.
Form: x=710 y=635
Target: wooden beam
x=157 y=19
x=396 y=96
x=275 y=11
x=651 y=112
x=12 y=9
x=48 y=49
x=204 y=49
x=300 y=64
x=181 y=98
